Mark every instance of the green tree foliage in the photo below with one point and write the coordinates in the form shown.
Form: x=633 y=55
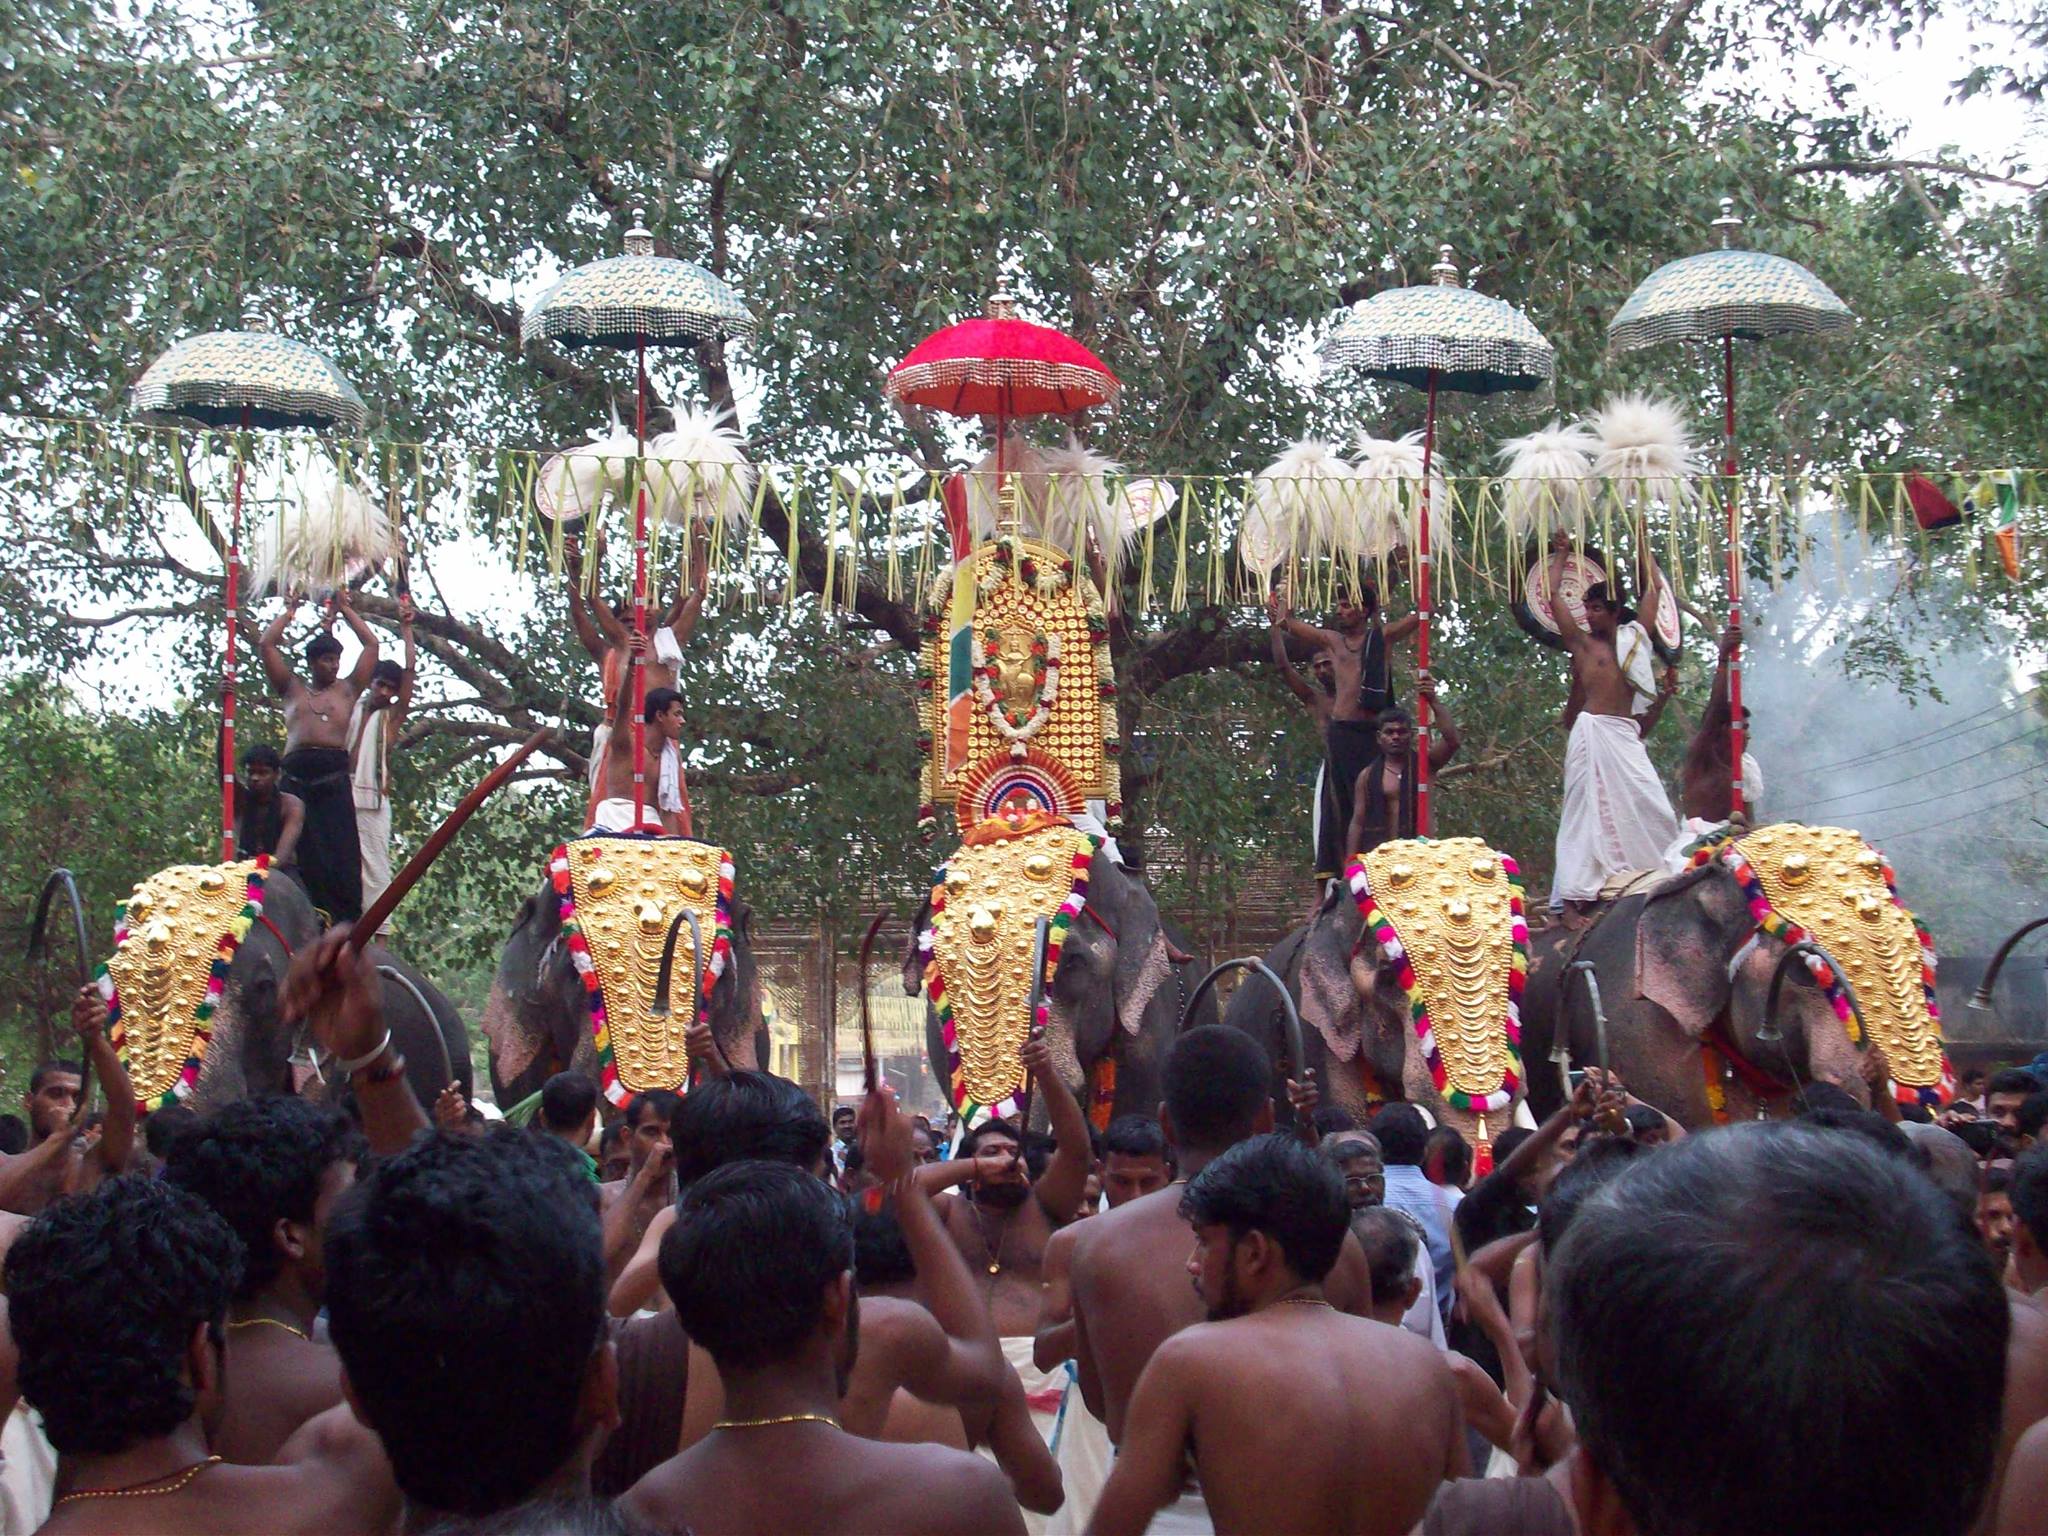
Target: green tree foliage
x=1185 y=184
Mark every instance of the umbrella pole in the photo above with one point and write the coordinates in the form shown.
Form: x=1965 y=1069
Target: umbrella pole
x=227 y=692
x=1729 y=469
x=639 y=579
x=1422 y=601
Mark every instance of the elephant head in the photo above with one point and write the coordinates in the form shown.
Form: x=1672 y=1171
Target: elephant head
x=1117 y=994
x=538 y=1021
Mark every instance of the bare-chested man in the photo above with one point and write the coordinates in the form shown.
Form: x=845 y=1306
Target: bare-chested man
x=1383 y=797
x=609 y=641
x=118 y=1302
x=271 y=1168
x=1003 y=1219
x=1357 y=644
x=1129 y=1272
x=267 y=820
x=56 y=1163
x=760 y=1266
x=316 y=763
x=1616 y=815
x=662 y=798
x=1296 y=1417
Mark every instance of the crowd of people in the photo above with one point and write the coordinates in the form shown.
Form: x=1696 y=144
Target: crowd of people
x=727 y=1313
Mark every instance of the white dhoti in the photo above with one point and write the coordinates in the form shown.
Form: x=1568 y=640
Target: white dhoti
x=1042 y=1393
x=28 y=1473
x=615 y=814
x=1616 y=815
x=1187 y=1515
x=1081 y=1446
x=373 y=834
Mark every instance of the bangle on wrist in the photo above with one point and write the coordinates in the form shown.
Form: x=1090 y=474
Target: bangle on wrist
x=351 y=1068
x=390 y=1072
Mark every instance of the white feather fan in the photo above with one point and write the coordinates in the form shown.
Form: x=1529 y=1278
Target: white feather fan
x=573 y=483
x=1389 y=508
x=1548 y=479
x=1297 y=502
x=700 y=471
x=1026 y=466
x=325 y=533
x=1646 y=452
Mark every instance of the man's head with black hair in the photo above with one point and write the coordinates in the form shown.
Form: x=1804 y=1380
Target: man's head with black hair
x=1269 y=1216
x=466 y=1297
x=52 y=1098
x=1135 y=1159
x=116 y=1303
x=1403 y=1135
x=323 y=659
x=1447 y=1157
x=760 y=1265
x=1867 y=1123
x=1600 y=1161
x=614 y=1162
x=386 y=678
x=2033 y=1114
x=164 y=1126
x=1646 y=1126
x=1002 y=1174
x=1218 y=1092
x=1994 y=1213
x=2008 y=1089
x=272 y=1168
x=2028 y=1192
x=1781 y=1284
x=881 y=1256
x=649 y=1114
x=663 y=712
x=568 y=1107
x=747 y=1116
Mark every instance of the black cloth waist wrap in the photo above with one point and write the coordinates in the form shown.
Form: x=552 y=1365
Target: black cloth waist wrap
x=330 y=859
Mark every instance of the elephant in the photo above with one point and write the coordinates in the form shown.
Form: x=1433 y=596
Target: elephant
x=537 y=1021
x=1118 y=993
x=1356 y=1032
x=1662 y=958
x=250 y=1051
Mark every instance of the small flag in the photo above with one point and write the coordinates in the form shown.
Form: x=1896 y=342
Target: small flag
x=1998 y=493
x=1931 y=509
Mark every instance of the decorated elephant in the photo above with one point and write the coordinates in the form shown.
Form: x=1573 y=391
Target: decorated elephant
x=1117 y=991
x=608 y=908
x=1408 y=987
x=185 y=1039
x=1685 y=970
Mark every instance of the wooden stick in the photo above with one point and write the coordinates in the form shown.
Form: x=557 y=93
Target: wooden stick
x=380 y=909
x=867 y=1028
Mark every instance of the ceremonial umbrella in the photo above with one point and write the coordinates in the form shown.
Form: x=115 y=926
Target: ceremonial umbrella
x=637 y=300
x=1438 y=336
x=244 y=379
x=1718 y=296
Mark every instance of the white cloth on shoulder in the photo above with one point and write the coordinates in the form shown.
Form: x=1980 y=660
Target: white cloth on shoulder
x=1616 y=815
x=1633 y=650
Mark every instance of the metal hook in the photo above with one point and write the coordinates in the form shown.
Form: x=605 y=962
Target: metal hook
x=1297 y=1060
x=659 y=1008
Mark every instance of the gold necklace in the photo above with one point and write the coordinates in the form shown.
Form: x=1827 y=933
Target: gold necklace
x=785 y=1418
x=142 y=1490
x=1302 y=1301
x=994 y=1249
x=271 y=1322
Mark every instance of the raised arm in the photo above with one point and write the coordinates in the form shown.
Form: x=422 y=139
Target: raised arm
x=1448 y=738
x=291 y=821
x=366 y=637
x=579 y=612
x=1290 y=674
x=1569 y=629
x=117 y=1130
x=1397 y=630
x=1065 y=1179
x=333 y=986
x=1283 y=619
x=270 y=646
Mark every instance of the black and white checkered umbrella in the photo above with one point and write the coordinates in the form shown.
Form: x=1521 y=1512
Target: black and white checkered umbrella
x=248 y=378
x=638 y=299
x=1441 y=335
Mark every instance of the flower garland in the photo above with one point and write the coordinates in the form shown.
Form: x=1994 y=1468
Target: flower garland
x=1774 y=923
x=972 y=1113
x=593 y=986
x=1045 y=663
x=1382 y=930
x=216 y=987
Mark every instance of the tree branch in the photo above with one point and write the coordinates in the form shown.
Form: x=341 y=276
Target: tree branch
x=1842 y=166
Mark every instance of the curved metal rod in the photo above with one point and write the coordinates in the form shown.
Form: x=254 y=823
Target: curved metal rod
x=39 y=948
x=1770 y=1031
x=869 y=1074
x=393 y=973
x=659 y=1008
x=1980 y=1000
x=1587 y=969
x=1297 y=1060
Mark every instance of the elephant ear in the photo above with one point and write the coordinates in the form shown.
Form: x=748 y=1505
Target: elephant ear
x=1679 y=948
x=1142 y=965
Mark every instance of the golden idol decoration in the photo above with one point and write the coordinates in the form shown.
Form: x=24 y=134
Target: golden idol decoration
x=984 y=929
x=1833 y=884
x=627 y=893
x=1452 y=904
x=1021 y=698
x=162 y=968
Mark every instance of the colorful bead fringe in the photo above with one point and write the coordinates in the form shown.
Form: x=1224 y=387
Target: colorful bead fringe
x=1382 y=930
x=971 y=1112
x=593 y=986
x=202 y=1016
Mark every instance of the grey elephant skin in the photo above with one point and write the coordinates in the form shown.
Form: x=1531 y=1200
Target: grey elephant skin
x=250 y=1052
x=1661 y=958
x=537 y=1022
x=1115 y=993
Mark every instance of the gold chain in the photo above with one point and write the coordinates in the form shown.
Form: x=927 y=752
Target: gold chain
x=142 y=1490
x=1302 y=1301
x=271 y=1322
x=786 y=1418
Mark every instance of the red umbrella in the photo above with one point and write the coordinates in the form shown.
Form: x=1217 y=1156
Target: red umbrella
x=1001 y=366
